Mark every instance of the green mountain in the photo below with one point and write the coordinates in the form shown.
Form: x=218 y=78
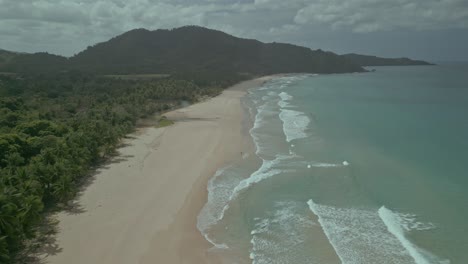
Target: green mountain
x=6 y=56
x=193 y=51
x=365 y=60
x=197 y=49
x=186 y=50
x=40 y=62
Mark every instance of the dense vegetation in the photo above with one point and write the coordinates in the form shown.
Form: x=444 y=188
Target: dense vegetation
x=365 y=60
x=53 y=129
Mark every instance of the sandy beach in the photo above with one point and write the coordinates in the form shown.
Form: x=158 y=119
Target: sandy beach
x=143 y=207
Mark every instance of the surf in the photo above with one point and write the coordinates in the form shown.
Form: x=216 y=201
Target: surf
x=364 y=236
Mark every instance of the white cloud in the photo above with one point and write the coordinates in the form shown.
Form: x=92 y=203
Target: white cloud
x=380 y=15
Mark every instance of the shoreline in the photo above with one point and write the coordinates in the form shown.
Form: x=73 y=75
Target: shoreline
x=143 y=207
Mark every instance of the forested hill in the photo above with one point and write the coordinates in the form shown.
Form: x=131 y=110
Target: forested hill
x=193 y=51
x=197 y=49
x=365 y=60
x=189 y=49
x=41 y=62
x=6 y=56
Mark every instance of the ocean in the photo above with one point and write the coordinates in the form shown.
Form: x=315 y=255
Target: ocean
x=349 y=168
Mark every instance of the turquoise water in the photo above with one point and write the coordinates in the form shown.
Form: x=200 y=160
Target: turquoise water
x=351 y=168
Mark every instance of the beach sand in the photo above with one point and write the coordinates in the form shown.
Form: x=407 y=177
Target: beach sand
x=142 y=208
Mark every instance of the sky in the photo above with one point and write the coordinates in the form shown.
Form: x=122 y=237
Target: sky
x=435 y=30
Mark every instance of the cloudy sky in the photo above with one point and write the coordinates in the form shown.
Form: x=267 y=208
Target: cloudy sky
x=424 y=29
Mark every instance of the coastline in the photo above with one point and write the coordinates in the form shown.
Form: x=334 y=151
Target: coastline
x=143 y=207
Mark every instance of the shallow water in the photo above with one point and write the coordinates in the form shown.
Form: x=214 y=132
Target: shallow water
x=351 y=168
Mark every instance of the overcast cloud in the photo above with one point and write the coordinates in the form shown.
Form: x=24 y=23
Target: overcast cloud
x=425 y=29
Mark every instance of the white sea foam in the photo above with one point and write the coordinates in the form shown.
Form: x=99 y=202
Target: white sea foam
x=287 y=80
x=283 y=104
x=215 y=245
x=222 y=185
x=362 y=236
x=222 y=190
x=277 y=237
x=328 y=165
x=409 y=222
x=325 y=165
x=398 y=225
x=262 y=88
x=263 y=111
x=295 y=124
x=218 y=195
x=227 y=183
x=285 y=96
x=266 y=171
x=283 y=82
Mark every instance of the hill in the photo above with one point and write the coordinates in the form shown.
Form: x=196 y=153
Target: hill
x=41 y=62
x=6 y=56
x=197 y=49
x=193 y=52
x=366 y=60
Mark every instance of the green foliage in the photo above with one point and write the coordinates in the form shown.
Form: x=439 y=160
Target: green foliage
x=54 y=128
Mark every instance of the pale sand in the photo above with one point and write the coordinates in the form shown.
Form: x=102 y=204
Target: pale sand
x=143 y=209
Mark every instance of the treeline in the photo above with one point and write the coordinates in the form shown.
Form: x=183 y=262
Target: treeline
x=53 y=129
